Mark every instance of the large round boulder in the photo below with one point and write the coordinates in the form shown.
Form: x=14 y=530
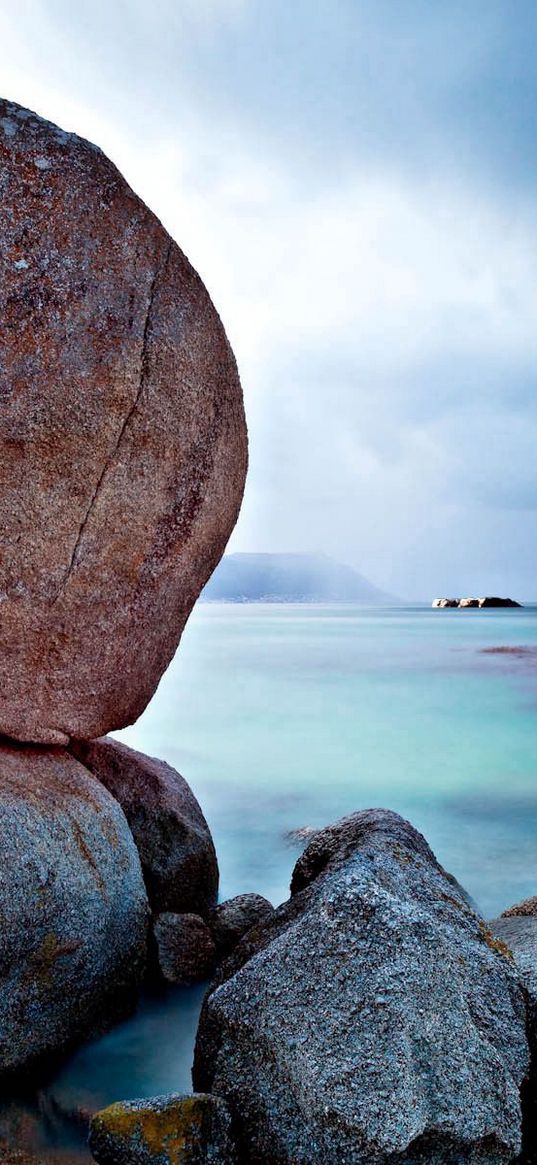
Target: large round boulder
x=73 y=906
x=373 y=1017
x=122 y=439
x=173 y=839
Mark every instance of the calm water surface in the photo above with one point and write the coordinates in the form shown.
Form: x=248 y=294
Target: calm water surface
x=283 y=716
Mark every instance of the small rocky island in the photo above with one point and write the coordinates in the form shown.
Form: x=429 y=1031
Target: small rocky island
x=463 y=604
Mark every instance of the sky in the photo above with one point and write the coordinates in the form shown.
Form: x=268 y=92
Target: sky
x=356 y=183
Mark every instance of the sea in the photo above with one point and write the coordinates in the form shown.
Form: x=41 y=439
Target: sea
x=284 y=718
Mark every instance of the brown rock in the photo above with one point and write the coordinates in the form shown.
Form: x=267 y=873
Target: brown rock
x=234 y=918
x=527 y=907
x=186 y=951
x=122 y=439
x=173 y=839
x=72 y=903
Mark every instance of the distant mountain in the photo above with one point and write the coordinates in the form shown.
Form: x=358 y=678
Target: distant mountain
x=280 y=578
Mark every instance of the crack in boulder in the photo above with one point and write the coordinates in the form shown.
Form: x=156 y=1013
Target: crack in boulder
x=75 y=555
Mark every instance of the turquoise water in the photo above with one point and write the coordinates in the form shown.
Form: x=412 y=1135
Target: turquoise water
x=285 y=716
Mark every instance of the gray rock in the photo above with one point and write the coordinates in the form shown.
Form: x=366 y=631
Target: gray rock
x=235 y=917
x=518 y=933
x=166 y=1130
x=372 y=1018
x=494 y=601
x=185 y=946
x=72 y=903
x=173 y=839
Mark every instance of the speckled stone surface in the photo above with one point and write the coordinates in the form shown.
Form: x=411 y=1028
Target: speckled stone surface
x=173 y=839
x=185 y=946
x=519 y=933
x=167 y=1130
x=122 y=439
x=73 y=906
x=373 y=1018
x=528 y=908
x=232 y=919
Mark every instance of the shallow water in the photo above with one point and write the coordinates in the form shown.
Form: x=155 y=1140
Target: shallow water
x=284 y=716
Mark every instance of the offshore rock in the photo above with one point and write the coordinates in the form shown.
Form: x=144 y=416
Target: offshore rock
x=185 y=947
x=72 y=902
x=235 y=917
x=166 y=1130
x=173 y=839
x=374 y=1017
x=122 y=439
x=488 y=601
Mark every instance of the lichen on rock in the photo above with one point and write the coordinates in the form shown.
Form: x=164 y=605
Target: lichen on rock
x=167 y=1130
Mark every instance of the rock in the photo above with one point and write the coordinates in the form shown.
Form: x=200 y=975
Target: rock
x=186 y=950
x=518 y=651
x=490 y=601
x=300 y=835
x=21 y=1138
x=373 y=1017
x=233 y=918
x=122 y=439
x=167 y=1130
x=527 y=907
x=519 y=934
x=10 y=1156
x=173 y=839
x=72 y=902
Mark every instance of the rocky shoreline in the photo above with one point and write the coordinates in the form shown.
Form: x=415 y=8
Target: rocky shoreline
x=374 y=1016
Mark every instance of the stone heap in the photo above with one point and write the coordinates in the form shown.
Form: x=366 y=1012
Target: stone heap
x=372 y=1018
x=123 y=456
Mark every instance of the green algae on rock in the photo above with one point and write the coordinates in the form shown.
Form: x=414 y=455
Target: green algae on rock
x=167 y=1130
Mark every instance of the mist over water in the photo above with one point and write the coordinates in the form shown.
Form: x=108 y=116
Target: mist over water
x=283 y=716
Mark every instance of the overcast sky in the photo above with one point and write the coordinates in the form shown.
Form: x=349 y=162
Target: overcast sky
x=356 y=182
